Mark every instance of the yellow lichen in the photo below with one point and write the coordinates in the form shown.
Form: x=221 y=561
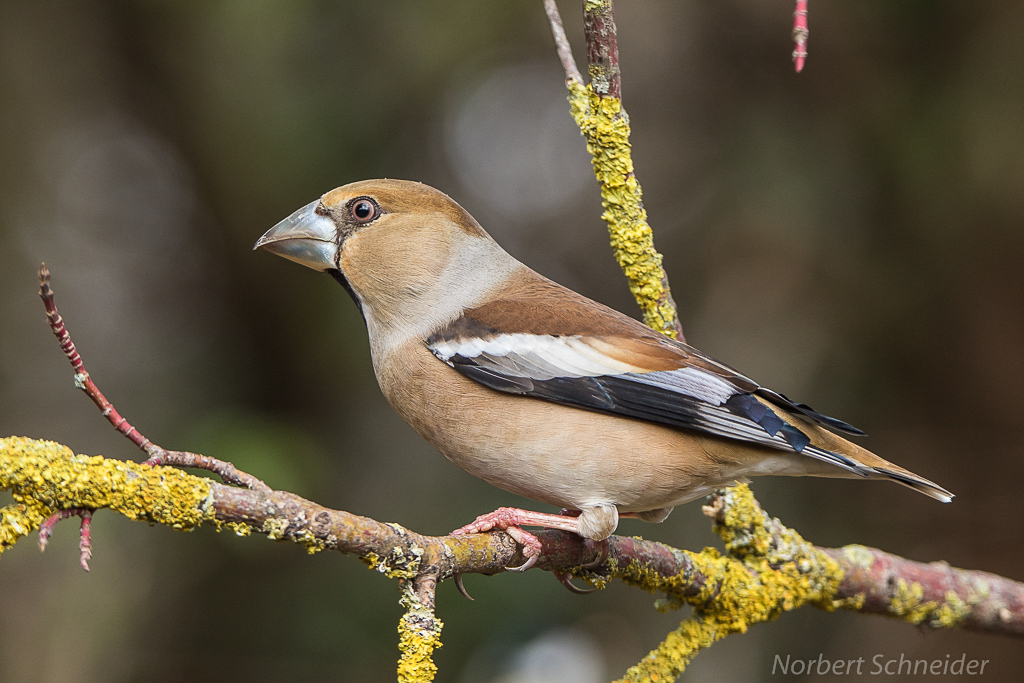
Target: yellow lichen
x=605 y=126
x=859 y=556
x=909 y=605
x=769 y=570
x=275 y=528
x=419 y=634
x=45 y=477
x=238 y=528
x=398 y=564
x=952 y=613
x=308 y=540
x=854 y=603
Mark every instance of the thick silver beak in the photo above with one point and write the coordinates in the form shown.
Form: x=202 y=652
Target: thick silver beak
x=304 y=237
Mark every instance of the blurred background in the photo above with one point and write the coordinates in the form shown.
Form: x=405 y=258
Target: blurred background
x=852 y=236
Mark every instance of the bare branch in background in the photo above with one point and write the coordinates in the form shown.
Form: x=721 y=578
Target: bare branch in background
x=157 y=455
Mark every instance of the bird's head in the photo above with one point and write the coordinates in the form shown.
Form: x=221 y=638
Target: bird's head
x=401 y=248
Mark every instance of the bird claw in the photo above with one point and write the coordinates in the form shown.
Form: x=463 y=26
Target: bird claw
x=462 y=588
x=84 y=532
x=600 y=558
x=531 y=547
x=565 y=578
x=530 y=561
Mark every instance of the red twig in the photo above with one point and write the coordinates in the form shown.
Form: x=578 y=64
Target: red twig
x=602 y=49
x=800 y=34
x=82 y=379
x=157 y=455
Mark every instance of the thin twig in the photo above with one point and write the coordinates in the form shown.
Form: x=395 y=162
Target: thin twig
x=800 y=34
x=157 y=455
x=572 y=72
x=82 y=379
x=84 y=532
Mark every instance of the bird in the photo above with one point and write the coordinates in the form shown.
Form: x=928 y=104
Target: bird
x=541 y=391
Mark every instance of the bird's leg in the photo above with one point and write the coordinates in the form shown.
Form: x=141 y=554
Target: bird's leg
x=510 y=520
x=506 y=518
x=565 y=578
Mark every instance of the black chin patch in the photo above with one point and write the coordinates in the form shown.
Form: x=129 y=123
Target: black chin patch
x=343 y=281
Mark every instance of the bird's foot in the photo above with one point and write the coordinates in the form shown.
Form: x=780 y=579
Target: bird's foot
x=565 y=578
x=511 y=521
x=84 y=533
x=531 y=547
x=602 y=545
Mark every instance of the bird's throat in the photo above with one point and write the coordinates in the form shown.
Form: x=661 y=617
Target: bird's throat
x=343 y=281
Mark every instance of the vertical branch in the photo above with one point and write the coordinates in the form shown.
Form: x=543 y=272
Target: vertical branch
x=597 y=109
x=602 y=50
x=419 y=630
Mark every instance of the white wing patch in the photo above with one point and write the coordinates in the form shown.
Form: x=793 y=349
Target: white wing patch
x=544 y=357
x=692 y=381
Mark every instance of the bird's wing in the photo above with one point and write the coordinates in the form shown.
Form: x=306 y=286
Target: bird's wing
x=595 y=358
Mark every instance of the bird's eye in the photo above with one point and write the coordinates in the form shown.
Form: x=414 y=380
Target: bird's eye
x=363 y=210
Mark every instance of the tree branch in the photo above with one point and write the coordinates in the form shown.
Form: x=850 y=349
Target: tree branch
x=157 y=455
x=602 y=48
x=767 y=568
x=598 y=112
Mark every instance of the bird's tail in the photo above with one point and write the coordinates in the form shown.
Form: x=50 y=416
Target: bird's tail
x=862 y=462
x=911 y=480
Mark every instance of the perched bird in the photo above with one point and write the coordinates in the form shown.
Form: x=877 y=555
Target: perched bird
x=540 y=390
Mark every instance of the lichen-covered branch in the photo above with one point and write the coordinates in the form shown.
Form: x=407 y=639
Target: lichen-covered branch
x=419 y=630
x=597 y=110
x=933 y=594
x=766 y=568
x=46 y=478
